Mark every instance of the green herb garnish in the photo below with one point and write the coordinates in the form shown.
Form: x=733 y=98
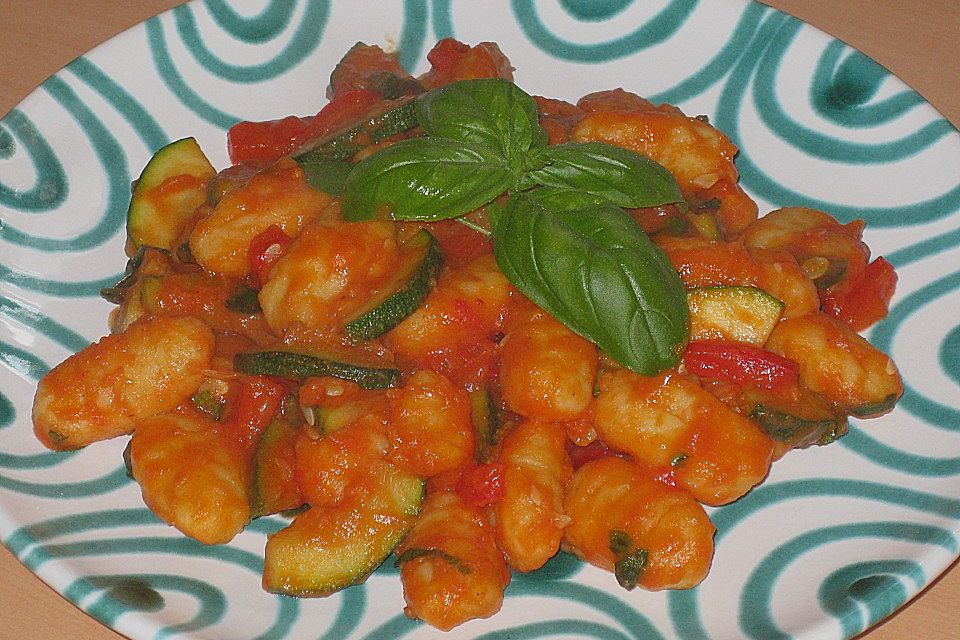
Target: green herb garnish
x=600 y=275
x=128 y=460
x=209 y=402
x=243 y=300
x=413 y=553
x=630 y=562
x=561 y=237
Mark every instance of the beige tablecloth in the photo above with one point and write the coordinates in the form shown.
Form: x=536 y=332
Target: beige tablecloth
x=918 y=40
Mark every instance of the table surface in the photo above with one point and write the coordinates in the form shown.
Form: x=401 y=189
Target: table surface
x=915 y=40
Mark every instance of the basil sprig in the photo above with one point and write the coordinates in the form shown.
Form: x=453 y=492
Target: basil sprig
x=562 y=237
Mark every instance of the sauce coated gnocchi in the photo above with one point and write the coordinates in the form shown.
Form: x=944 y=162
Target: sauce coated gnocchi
x=403 y=386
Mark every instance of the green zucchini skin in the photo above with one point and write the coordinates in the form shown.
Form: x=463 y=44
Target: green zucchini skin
x=739 y=313
x=343 y=146
x=300 y=366
x=325 y=175
x=324 y=421
x=269 y=493
x=148 y=225
x=485 y=416
x=423 y=263
x=329 y=548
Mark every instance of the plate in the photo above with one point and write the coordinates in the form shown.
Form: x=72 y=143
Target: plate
x=835 y=540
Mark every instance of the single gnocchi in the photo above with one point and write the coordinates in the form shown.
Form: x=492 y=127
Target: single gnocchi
x=106 y=389
x=193 y=475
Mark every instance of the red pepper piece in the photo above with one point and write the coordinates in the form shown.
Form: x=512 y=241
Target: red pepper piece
x=482 y=485
x=265 y=249
x=268 y=140
x=867 y=300
x=445 y=55
x=273 y=139
x=346 y=109
x=452 y=60
x=597 y=449
x=739 y=363
x=258 y=401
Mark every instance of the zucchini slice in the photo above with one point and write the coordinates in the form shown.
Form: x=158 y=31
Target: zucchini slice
x=171 y=187
x=343 y=145
x=300 y=366
x=485 y=416
x=329 y=548
x=327 y=420
x=274 y=485
x=244 y=300
x=738 y=313
x=136 y=293
x=705 y=225
x=420 y=266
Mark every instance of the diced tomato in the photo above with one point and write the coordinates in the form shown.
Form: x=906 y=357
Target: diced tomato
x=469 y=363
x=445 y=55
x=867 y=300
x=257 y=402
x=265 y=249
x=739 y=363
x=459 y=243
x=273 y=139
x=360 y=65
x=482 y=485
x=452 y=60
x=343 y=110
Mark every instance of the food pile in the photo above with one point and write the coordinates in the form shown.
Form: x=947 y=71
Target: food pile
x=450 y=323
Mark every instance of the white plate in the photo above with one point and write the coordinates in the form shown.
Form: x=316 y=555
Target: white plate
x=836 y=539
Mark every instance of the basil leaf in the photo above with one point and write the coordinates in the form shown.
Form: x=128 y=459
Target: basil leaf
x=391 y=86
x=243 y=300
x=629 y=569
x=620 y=542
x=622 y=176
x=562 y=199
x=426 y=552
x=491 y=112
x=424 y=179
x=540 y=136
x=597 y=272
x=325 y=174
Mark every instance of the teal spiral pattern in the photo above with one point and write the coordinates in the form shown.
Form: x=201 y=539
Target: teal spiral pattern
x=836 y=540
